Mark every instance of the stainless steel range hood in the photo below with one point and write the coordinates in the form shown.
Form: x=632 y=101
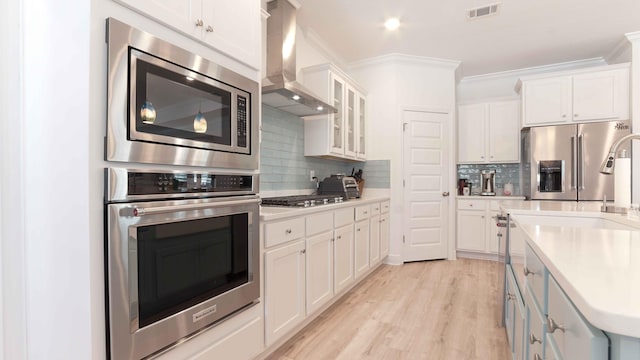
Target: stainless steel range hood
x=280 y=89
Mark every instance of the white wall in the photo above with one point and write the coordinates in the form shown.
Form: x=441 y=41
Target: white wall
x=394 y=83
x=47 y=213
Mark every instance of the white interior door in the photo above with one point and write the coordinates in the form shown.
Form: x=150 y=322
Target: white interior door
x=426 y=159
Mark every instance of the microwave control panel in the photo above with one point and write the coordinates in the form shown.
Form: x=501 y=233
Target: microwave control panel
x=242 y=121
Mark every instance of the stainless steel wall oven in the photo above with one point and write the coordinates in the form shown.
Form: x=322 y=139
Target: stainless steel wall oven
x=172 y=107
x=182 y=252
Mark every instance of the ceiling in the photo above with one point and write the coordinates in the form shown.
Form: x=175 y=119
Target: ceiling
x=524 y=33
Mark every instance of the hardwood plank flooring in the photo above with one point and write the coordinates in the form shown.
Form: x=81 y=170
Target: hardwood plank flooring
x=423 y=310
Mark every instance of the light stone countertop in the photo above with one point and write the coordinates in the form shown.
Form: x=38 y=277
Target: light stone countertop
x=270 y=213
x=598 y=269
x=496 y=197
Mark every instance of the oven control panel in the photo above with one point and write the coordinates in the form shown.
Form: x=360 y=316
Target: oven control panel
x=145 y=183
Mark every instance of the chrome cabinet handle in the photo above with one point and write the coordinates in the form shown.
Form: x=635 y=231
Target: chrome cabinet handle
x=528 y=272
x=537 y=357
x=533 y=339
x=209 y=28
x=199 y=22
x=499 y=235
x=445 y=194
x=553 y=326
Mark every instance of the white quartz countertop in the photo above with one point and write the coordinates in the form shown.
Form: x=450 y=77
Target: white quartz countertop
x=598 y=268
x=269 y=213
x=496 y=197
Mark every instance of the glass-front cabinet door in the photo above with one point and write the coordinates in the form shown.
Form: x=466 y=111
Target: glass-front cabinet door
x=362 y=111
x=337 y=141
x=350 y=149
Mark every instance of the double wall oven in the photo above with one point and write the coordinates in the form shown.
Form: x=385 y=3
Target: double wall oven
x=181 y=194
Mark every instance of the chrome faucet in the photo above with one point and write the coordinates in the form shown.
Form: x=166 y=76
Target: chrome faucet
x=610 y=160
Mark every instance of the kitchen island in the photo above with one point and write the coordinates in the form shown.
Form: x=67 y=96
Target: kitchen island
x=594 y=260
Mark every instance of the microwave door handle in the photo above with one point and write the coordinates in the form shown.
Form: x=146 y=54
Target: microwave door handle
x=143 y=211
x=573 y=163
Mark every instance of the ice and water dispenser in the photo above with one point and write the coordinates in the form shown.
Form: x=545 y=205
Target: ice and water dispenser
x=550 y=175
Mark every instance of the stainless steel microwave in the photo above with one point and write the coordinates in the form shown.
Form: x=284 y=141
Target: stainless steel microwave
x=172 y=107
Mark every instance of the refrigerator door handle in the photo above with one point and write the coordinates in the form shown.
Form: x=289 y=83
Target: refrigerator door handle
x=573 y=163
x=581 y=161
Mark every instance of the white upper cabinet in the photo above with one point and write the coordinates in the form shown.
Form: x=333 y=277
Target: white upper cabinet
x=489 y=132
x=340 y=135
x=231 y=27
x=599 y=94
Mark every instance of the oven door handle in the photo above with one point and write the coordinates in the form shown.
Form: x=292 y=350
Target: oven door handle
x=136 y=211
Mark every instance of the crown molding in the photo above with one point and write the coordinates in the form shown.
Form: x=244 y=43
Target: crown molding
x=396 y=58
x=622 y=50
x=318 y=43
x=535 y=70
x=633 y=36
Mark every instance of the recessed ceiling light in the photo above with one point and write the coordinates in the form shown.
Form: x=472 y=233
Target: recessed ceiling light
x=319 y=108
x=392 y=23
x=296 y=97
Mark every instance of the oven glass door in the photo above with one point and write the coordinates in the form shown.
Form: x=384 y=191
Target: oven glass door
x=181 y=264
x=175 y=267
x=176 y=106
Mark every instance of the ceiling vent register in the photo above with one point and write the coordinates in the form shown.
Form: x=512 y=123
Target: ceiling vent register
x=482 y=11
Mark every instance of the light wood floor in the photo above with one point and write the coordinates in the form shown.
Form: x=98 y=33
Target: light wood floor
x=424 y=310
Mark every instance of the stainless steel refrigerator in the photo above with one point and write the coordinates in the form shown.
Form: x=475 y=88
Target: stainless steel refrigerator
x=563 y=162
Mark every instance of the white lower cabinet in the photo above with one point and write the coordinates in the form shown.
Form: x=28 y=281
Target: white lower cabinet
x=343 y=274
x=476 y=226
x=374 y=239
x=309 y=260
x=384 y=235
x=361 y=247
x=319 y=270
x=284 y=289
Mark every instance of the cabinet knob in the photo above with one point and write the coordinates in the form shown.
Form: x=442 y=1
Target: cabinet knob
x=510 y=296
x=303 y=251
x=575 y=115
x=199 y=22
x=533 y=339
x=553 y=326
x=564 y=115
x=445 y=194
x=209 y=28
x=339 y=237
x=288 y=231
x=527 y=272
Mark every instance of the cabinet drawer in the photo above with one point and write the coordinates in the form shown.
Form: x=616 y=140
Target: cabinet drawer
x=343 y=217
x=282 y=231
x=375 y=209
x=384 y=206
x=536 y=329
x=472 y=204
x=318 y=223
x=575 y=339
x=363 y=212
x=536 y=275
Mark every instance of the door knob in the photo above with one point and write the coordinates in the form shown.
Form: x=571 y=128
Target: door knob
x=446 y=193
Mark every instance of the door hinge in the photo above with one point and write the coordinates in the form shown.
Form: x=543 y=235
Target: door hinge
x=404 y=126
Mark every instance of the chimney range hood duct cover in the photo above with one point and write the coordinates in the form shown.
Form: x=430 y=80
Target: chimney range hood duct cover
x=280 y=89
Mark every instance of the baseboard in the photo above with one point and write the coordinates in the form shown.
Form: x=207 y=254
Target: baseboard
x=478 y=256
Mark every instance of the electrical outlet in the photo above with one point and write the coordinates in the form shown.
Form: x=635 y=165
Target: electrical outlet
x=312 y=175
